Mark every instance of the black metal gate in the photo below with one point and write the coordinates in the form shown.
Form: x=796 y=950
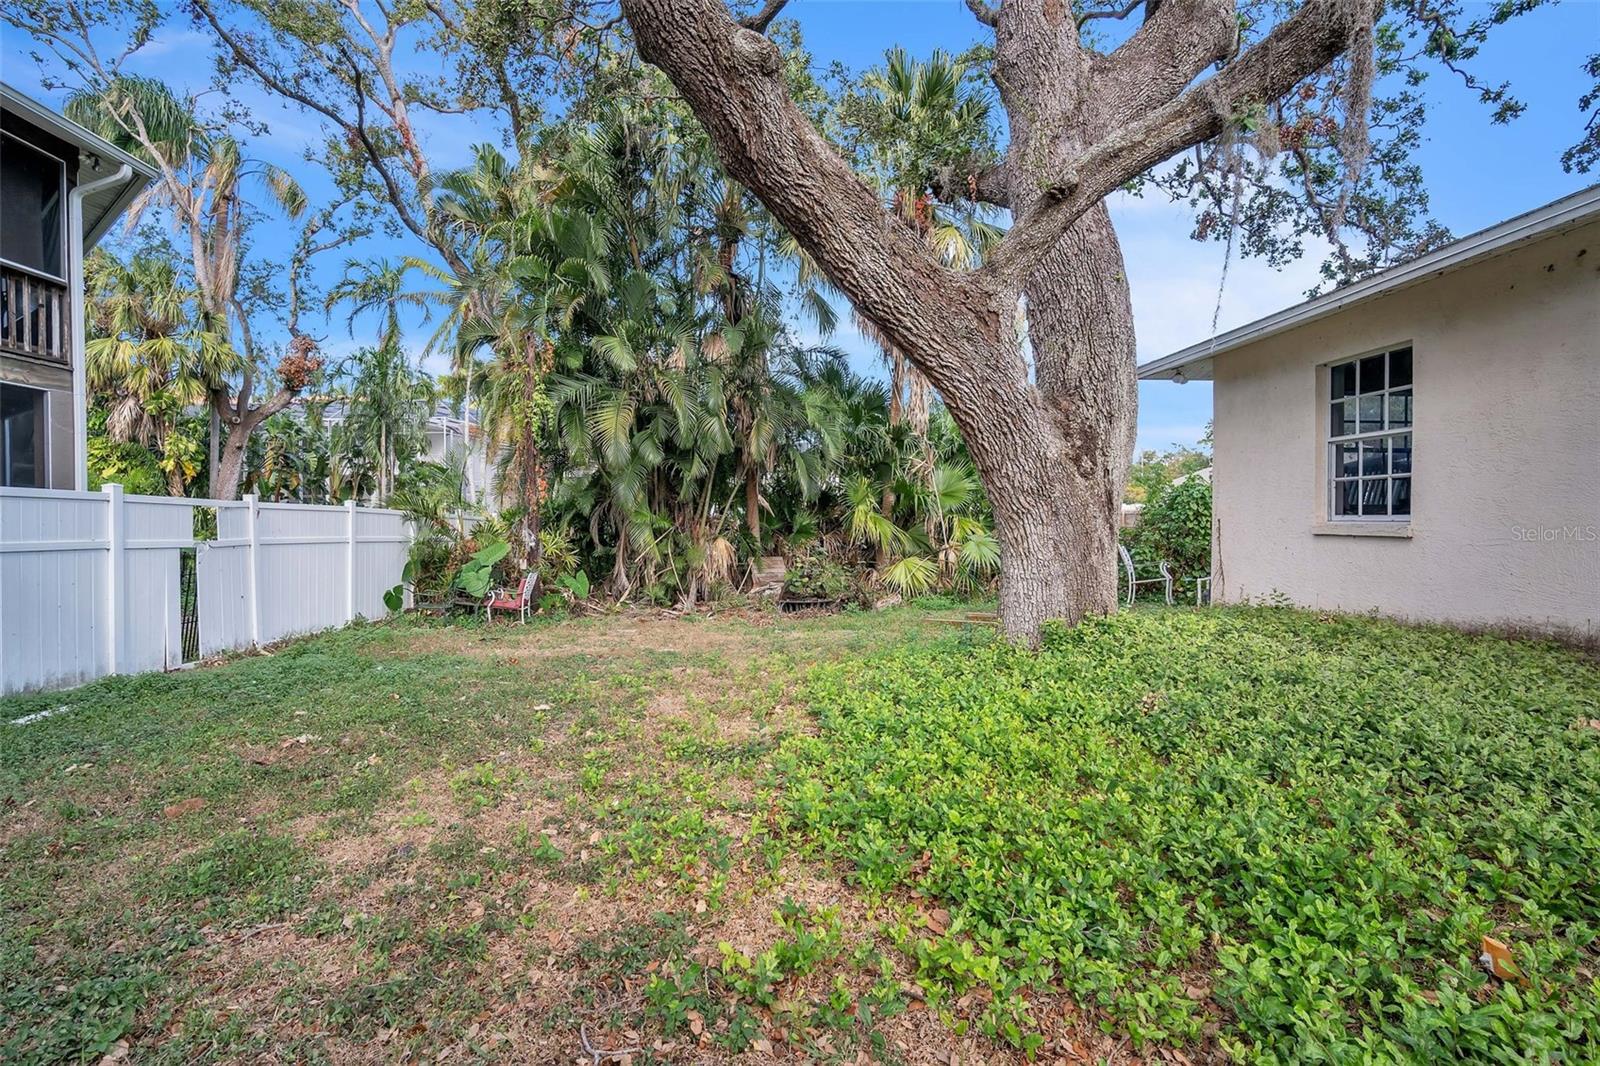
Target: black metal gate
x=189 y=604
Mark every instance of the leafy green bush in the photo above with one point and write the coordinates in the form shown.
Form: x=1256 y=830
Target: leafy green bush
x=814 y=576
x=1176 y=527
x=477 y=573
x=1298 y=828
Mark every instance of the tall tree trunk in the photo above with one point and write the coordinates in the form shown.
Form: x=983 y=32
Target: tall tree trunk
x=752 y=504
x=236 y=445
x=531 y=499
x=1055 y=469
x=230 y=464
x=886 y=508
x=1080 y=323
x=1051 y=447
x=213 y=443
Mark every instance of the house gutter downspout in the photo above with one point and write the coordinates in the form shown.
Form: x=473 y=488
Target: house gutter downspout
x=80 y=323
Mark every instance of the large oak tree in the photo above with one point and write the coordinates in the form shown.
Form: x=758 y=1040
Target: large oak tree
x=1045 y=397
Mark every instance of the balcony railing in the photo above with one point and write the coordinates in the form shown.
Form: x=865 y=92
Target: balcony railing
x=33 y=316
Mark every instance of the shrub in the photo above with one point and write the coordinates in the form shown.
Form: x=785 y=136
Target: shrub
x=1176 y=527
x=1297 y=826
x=814 y=576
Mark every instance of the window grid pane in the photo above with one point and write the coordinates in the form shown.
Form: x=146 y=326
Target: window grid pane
x=1369 y=466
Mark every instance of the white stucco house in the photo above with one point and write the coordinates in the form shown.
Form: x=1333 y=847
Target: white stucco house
x=1425 y=443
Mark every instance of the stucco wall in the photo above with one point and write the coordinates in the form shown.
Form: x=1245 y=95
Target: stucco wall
x=1505 y=527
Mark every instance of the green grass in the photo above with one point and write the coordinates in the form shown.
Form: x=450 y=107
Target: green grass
x=378 y=835
x=1288 y=831
x=1252 y=831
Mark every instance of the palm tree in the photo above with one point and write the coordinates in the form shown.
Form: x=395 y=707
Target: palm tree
x=387 y=404
x=782 y=407
x=535 y=263
x=151 y=354
x=375 y=285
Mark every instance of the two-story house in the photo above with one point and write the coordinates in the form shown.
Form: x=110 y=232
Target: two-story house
x=61 y=189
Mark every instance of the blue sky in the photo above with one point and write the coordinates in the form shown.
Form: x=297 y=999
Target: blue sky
x=1477 y=173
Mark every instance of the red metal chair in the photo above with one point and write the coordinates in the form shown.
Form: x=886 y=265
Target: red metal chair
x=504 y=600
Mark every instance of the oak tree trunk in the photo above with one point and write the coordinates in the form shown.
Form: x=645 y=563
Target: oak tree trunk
x=1051 y=436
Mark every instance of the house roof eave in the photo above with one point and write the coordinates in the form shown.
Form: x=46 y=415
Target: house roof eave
x=1195 y=363
x=101 y=209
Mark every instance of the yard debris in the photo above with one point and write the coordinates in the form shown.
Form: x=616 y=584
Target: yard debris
x=302 y=740
x=600 y=1055
x=183 y=807
x=1496 y=959
x=39 y=716
x=118 y=1053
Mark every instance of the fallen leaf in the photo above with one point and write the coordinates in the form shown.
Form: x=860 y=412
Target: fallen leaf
x=1496 y=959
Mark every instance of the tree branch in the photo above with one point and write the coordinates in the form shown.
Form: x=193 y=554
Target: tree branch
x=987 y=15
x=1118 y=13
x=732 y=78
x=1296 y=48
x=241 y=52
x=1163 y=57
x=763 y=18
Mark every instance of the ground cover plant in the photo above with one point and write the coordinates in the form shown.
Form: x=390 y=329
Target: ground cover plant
x=874 y=836
x=1281 y=835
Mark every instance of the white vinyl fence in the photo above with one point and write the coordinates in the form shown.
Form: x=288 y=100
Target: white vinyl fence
x=96 y=583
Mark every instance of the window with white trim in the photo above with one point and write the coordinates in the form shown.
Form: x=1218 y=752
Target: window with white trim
x=1369 y=438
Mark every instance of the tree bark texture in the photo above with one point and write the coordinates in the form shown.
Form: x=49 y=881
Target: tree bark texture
x=241 y=420
x=1051 y=435
x=752 y=504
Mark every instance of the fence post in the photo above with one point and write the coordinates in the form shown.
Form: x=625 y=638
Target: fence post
x=253 y=535
x=350 y=562
x=116 y=578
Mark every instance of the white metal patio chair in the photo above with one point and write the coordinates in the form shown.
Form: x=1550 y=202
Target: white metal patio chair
x=520 y=601
x=1134 y=580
